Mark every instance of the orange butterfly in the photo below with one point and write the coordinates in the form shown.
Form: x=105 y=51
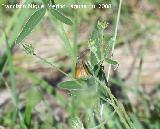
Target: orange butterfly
x=81 y=69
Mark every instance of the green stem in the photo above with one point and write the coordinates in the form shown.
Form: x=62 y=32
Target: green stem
x=75 y=39
x=13 y=82
x=69 y=47
x=115 y=36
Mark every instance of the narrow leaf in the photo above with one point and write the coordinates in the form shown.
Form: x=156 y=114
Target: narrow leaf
x=22 y=123
x=33 y=97
x=31 y=24
x=60 y=17
x=70 y=85
x=28 y=116
x=112 y=62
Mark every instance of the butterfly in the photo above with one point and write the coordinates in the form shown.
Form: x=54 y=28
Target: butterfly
x=81 y=69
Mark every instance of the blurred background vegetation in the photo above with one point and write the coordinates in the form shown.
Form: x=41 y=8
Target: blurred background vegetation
x=29 y=92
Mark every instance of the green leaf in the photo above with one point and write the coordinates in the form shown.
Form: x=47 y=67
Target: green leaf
x=28 y=116
x=60 y=17
x=56 y=13
x=107 y=50
x=70 y=85
x=46 y=3
x=31 y=24
x=136 y=122
x=22 y=123
x=33 y=97
x=112 y=62
x=95 y=44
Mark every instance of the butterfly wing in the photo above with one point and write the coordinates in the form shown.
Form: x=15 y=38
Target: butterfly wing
x=77 y=71
x=81 y=70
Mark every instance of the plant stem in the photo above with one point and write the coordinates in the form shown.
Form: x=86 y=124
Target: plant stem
x=13 y=82
x=115 y=36
x=75 y=37
x=52 y=65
